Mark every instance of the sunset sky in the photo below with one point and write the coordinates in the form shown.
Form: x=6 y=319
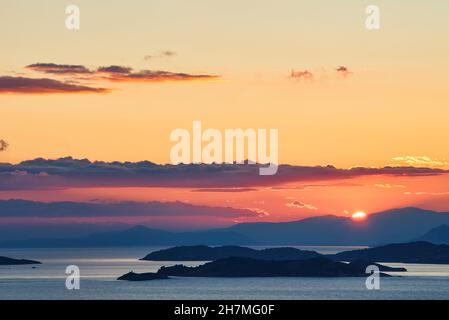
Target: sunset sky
x=228 y=64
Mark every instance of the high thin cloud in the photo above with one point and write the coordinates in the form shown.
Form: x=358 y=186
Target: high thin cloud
x=154 y=76
x=161 y=54
x=41 y=174
x=23 y=85
x=53 y=68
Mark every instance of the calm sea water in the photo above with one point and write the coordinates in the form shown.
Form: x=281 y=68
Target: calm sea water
x=101 y=266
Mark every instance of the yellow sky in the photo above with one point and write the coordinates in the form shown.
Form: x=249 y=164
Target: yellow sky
x=395 y=102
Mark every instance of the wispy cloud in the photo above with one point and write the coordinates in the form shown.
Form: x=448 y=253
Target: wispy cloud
x=215 y=190
x=3 y=145
x=63 y=69
x=23 y=85
x=343 y=71
x=261 y=212
x=300 y=205
x=423 y=161
x=305 y=75
x=161 y=54
x=427 y=193
x=388 y=186
x=76 y=75
x=118 y=73
x=155 y=76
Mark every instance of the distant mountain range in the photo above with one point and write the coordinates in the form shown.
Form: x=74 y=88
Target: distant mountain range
x=414 y=252
x=438 y=235
x=136 y=236
x=392 y=226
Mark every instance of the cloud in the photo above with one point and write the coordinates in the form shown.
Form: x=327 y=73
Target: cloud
x=423 y=161
x=301 y=205
x=33 y=209
x=225 y=190
x=425 y=193
x=72 y=173
x=261 y=212
x=152 y=76
x=305 y=75
x=61 y=69
x=115 y=69
x=315 y=186
x=22 y=85
x=161 y=54
x=3 y=145
x=343 y=71
x=115 y=73
x=388 y=186
x=322 y=74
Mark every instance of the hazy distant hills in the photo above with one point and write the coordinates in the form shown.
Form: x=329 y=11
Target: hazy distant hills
x=438 y=235
x=413 y=252
x=144 y=236
x=136 y=236
x=9 y=232
x=392 y=226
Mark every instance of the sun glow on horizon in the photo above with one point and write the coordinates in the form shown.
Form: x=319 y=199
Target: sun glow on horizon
x=359 y=216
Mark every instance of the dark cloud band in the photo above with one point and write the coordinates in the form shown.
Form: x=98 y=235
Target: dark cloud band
x=71 y=173
x=33 y=209
x=117 y=73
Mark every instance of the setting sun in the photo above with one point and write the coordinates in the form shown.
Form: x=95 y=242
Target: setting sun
x=359 y=215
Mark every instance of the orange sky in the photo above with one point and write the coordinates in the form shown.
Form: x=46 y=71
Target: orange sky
x=393 y=103
x=390 y=109
x=286 y=202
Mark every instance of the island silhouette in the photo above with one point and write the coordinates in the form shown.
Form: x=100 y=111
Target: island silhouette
x=237 y=267
x=5 y=261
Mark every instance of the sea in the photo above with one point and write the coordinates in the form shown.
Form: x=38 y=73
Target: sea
x=100 y=267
